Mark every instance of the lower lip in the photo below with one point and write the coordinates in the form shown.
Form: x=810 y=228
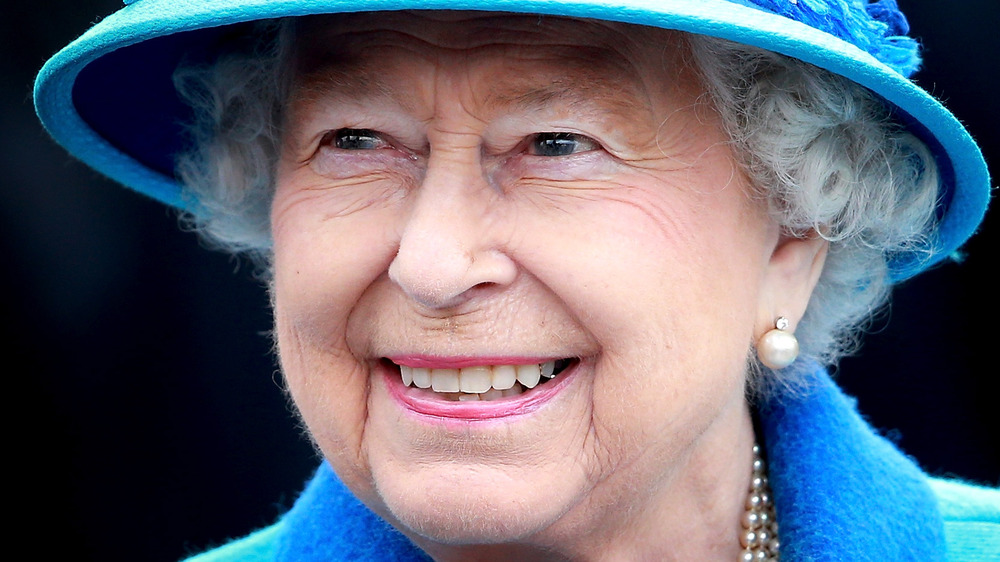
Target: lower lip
x=415 y=400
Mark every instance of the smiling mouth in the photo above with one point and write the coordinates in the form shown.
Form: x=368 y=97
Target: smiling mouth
x=485 y=382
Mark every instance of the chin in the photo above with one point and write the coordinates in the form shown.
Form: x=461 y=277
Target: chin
x=473 y=513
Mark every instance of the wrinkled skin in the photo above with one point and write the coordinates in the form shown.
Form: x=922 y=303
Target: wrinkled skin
x=447 y=223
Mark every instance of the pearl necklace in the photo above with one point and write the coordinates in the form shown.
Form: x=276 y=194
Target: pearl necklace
x=760 y=526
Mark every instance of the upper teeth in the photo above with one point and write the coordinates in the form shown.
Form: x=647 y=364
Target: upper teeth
x=476 y=380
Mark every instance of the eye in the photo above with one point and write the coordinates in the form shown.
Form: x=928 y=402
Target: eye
x=560 y=144
x=355 y=139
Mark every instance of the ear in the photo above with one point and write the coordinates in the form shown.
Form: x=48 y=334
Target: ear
x=791 y=276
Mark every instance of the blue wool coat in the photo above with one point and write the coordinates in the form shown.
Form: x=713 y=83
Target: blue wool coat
x=842 y=493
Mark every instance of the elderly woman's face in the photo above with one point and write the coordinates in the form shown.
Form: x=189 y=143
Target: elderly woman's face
x=464 y=199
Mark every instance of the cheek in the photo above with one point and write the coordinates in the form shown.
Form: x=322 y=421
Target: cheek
x=631 y=257
x=325 y=260
x=322 y=267
x=330 y=392
x=669 y=286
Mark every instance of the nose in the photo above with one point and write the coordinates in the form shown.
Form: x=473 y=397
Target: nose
x=451 y=245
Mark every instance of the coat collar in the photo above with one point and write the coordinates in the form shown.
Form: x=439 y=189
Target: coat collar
x=841 y=491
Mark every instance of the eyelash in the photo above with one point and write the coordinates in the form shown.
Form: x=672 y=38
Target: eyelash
x=557 y=142
x=338 y=138
x=537 y=144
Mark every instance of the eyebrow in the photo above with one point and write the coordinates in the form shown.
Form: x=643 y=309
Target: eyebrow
x=587 y=94
x=352 y=81
x=601 y=89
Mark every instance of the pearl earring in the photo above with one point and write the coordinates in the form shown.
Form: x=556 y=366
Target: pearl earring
x=778 y=348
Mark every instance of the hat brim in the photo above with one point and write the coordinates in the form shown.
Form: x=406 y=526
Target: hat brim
x=108 y=96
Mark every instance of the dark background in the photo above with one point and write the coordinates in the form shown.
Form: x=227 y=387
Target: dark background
x=145 y=418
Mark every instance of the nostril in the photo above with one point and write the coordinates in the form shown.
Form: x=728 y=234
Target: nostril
x=446 y=277
x=483 y=287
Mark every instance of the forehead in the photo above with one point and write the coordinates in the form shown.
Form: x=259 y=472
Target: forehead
x=539 y=56
x=458 y=30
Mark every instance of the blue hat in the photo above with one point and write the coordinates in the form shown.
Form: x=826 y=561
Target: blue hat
x=109 y=99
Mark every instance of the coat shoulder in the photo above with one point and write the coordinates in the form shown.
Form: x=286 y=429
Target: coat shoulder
x=258 y=546
x=971 y=515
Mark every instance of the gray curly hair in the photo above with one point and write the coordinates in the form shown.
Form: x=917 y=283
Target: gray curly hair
x=822 y=150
